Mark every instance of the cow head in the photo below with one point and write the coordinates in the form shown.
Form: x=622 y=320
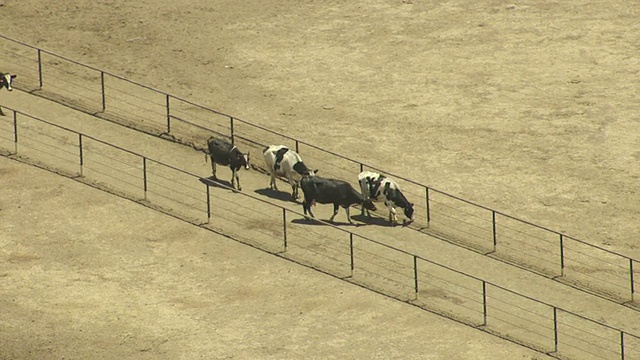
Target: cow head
x=408 y=212
x=6 y=80
x=369 y=205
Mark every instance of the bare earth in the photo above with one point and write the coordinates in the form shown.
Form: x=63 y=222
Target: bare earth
x=527 y=108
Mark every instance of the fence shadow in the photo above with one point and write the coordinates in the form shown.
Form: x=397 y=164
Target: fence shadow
x=216 y=182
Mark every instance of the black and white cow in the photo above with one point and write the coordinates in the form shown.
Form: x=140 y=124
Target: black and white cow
x=331 y=191
x=6 y=81
x=224 y=153
x=282 y=161
x=378 y=187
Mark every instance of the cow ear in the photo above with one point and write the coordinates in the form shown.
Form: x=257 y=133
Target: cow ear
x=315 y=171
x=14 y=76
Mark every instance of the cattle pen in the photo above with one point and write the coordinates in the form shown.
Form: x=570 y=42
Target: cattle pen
x=135 y=175
x=487 y=231
x=341 y=253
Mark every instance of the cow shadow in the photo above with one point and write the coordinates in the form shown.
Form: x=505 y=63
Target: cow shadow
x=373 y=220
x=222 y=184
x=315 y=221
x=276 y=195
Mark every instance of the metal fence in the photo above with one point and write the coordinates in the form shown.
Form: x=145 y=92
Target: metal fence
x=331 y=249
x=112 y=97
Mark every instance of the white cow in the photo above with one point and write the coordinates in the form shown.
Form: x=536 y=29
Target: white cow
x=6 y=81
x=378 y=187
x=282 y=161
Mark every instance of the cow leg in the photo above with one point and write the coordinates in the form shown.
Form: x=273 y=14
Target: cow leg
x=364 y=209
x=392 y=211
x=307 y=206
x=234 y=178
x=392 y=214
x=335 y=212
x=364 y=189
x=294 y=187
x=348 y=216
x=272 y=182
x=1 y=113
x=238 y=180
x=213 y=168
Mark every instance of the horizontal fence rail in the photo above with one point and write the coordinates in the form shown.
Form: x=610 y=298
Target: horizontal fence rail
x=361 y=260
x=451 y=218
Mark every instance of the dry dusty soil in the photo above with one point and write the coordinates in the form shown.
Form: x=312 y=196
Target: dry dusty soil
x=528 y=108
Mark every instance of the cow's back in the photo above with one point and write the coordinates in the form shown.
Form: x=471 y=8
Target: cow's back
x=285 y=159
x=291 y=164
x=371 y=183
x=328 y=191
x=270 y=153
x=220 y=150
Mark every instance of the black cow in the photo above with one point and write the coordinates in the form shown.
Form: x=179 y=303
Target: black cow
x=225 y=153
x=6 y=81
x=331 y=191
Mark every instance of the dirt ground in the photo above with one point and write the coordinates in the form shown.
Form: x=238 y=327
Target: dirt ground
x=526 y=108
x=110 y=279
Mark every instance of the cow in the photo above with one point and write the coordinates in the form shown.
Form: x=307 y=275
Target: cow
x=282 y=161
x=331 y=191
x=224 y=153
x=6 y=81
x=378 y=187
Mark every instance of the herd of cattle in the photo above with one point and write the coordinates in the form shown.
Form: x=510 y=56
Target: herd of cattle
x=284 y=162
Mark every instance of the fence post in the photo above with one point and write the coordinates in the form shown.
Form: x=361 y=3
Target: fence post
x=428 y=208
x=561 y=255
x=284 y=227
x=631 y=279
x=484 y=303
x=233 y=134
x=81 y=154
x=168 y=114
x=104 y=96
x=415 y=274
x=555 y=329
x=208 y=204
x=144 y=175
x=351 y=252
x=622 y=354
x=40 y=68
x=495 y=235
x=15 y=131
